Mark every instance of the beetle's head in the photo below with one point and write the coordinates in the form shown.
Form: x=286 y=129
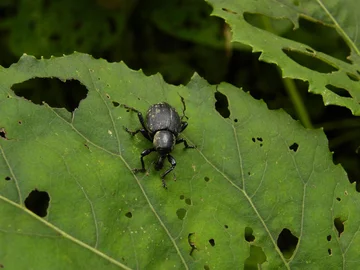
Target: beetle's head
x=164 y=142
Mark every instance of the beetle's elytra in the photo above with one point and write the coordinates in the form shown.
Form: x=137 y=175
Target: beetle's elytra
x=162 y=127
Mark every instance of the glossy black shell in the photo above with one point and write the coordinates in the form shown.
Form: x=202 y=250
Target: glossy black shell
x=163 y=117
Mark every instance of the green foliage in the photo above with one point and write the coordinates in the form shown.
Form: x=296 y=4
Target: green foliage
x=274 y=49
x=256 y=170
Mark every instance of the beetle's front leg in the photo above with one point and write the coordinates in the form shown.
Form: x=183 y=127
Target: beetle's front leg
x=173 y=164
x=143 y=154
x=182 y=140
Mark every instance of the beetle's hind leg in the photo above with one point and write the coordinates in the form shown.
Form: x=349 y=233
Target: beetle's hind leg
x=182 y=140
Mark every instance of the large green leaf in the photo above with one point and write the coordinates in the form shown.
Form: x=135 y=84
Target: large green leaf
x=251 y=176
x=340 y=15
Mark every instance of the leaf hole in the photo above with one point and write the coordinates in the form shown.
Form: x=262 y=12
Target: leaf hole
x=222 y=104
x=191 y=241
x=20 y=122
x=207 y=179
x=182 y=197
x=338 y=199
x=3 y=133
x=38 y=202
x=229 y=11
x=107 y=95
x=338 y=91
x=52 y=91
x=352 y=77
x=267 y=23
x=258 y=139
x=116 y=104
x=309 y=50
x=181 y=212
x=249 y=237
x=235 y=120
x=311 y=62
x=328 y=237
x=287 y=242
x=313 y=34
x=309 y=32
x=206 y=267
x=7 y=178
x=226 y=226
x=188 y=201
x=339 y=225
x=255 y=259
x=330 y=251
x=294 y=147
x=212 y=242
x=128 y=215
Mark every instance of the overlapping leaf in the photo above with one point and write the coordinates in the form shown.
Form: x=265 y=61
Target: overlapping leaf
x=343 y=16
x=256 y=171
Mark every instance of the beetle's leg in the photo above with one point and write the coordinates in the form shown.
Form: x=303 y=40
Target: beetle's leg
x=159 y=163
x=184 y=109
x=183 y=126
x=140 y=116
x=143 y=132
x=182 y=140
x=143 y=154
x=173 y=164
x=141 y=119
x=129 y=108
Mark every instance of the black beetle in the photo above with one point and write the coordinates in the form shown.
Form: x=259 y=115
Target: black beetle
x=162 y=127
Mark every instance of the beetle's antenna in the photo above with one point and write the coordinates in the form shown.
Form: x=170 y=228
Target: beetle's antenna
x=184 y=108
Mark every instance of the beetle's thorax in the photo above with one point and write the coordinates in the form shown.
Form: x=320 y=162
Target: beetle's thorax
x=164 y=141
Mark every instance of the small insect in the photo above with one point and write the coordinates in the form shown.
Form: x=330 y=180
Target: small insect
x=162 y=127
